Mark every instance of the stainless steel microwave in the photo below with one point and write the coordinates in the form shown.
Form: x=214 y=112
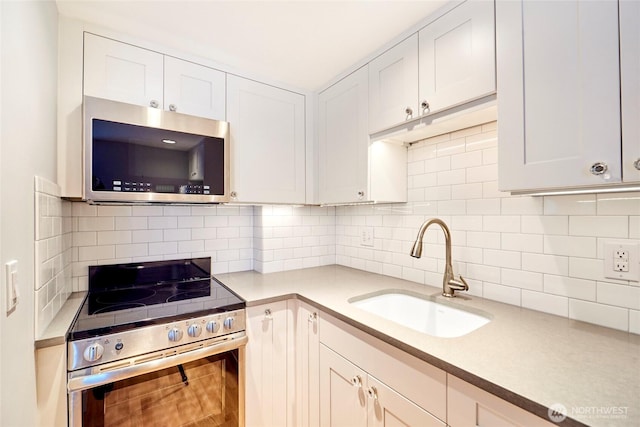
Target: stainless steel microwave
x=147 y=155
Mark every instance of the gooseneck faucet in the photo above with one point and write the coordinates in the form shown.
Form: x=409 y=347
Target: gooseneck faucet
x=449 y=283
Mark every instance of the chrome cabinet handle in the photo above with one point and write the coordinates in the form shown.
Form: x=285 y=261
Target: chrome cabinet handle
x=172 y=107
x=356 y=381
x=233 y=195
x=360 y=194
x=599 y=168
x=267 y=313
x=313 y=317
x=409 y=112
x=154 y=104
x=373 y=393
x=636 y=164
x=424 y=105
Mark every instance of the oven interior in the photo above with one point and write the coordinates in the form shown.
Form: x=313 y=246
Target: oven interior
x=203 y=392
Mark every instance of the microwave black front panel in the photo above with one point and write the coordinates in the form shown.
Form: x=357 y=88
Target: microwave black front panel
x=131 y=158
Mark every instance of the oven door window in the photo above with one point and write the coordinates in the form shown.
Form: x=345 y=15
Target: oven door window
x=199 y=393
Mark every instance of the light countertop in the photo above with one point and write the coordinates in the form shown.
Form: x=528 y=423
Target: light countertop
x=531 y=359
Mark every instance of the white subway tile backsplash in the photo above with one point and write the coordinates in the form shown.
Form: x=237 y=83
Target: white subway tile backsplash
x=618 y=204
x=572 y=246
x=502 y=293
x=570 y=287
x=499 y=258
x=545 y=224
x=586 y=268
x=522 y=205
x=599 y=226
x=53 y=248
x=601 y=314
x=550 y=264
x=522 y=242
x=540 y=301
x=522 y=279
x=619 y=295
x=582 y=204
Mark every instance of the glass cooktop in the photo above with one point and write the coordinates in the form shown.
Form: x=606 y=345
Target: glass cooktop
x=126 y=296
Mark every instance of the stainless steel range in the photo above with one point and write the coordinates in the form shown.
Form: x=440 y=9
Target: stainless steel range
x=150 y=335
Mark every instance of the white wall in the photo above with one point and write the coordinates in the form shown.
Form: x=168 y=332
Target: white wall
x=28 y=145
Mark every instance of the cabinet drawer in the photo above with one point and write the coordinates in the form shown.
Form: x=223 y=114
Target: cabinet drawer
x=423 y=384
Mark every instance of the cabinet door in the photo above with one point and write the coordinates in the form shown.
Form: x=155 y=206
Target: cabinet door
x=393 y=85
x=387 y=408
x=630 y=76
x=266 y=363
x=308 y=374
x=467 y=405
x=193 y=89
x=457 y=56
x=267 y=142
x=343 y=140
x=343 y=399
x=559 y=92
x=122 y=72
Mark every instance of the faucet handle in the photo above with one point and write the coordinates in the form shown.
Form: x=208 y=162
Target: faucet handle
x=459 y=285
x=464 y=282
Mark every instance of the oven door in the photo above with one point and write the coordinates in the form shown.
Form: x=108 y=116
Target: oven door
x=203 y=386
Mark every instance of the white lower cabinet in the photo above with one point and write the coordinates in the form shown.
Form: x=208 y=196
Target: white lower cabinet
x=266 y=378
x=350 y=397
x=307 y=365
x=468 y=405
x=365 y=381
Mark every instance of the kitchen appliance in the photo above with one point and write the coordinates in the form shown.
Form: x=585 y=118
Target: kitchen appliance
x=157 y=343
x=141 y=154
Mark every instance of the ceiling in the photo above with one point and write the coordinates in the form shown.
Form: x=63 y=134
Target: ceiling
x=299 y=43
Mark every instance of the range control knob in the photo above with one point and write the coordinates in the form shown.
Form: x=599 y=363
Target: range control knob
x=194 y=330
x=213 y=326
x=93 y=352
x=175 y=334
x=228 y=323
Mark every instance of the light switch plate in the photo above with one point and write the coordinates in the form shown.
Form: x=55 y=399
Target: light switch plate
x=11 y=284
x=621 y=260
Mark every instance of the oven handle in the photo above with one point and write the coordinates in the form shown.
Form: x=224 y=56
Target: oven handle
x=100 y=378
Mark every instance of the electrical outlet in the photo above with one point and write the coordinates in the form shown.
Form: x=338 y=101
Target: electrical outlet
x=366 y=236
x=621 y=260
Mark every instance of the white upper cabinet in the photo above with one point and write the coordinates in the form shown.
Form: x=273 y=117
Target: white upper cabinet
x=630 y=75
x=122 y=72
x=193 y=89
x=267 y=127
x=351 y=170
x=393 y=85
x=457 y=56
x=343 y=139
x=447 y=63
x=126 y=73
x=559 y=94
